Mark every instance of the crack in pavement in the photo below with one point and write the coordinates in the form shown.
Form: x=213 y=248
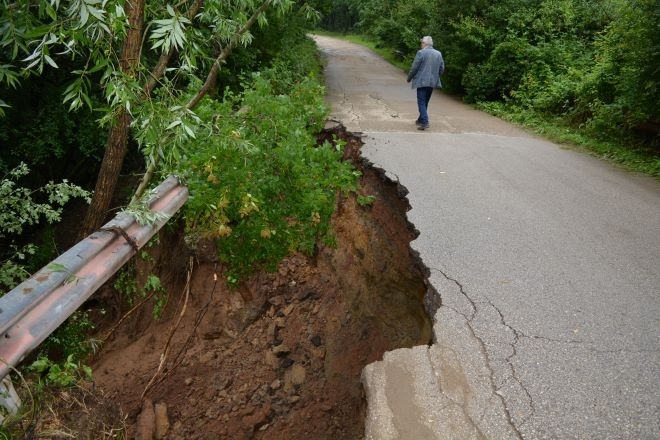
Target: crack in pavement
x=349 y=108
x=586 y=344
x=509 y=360
x=484 y=351
x=463 y=406
x=389 y=110
x=501 y=380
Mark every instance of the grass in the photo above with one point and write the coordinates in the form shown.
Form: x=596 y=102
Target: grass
x=626 y=153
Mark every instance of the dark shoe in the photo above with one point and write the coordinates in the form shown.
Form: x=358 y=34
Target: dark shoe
x=418 y=123
x=422 y=127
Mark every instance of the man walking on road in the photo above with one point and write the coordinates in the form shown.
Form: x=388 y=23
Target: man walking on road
x=425 y=74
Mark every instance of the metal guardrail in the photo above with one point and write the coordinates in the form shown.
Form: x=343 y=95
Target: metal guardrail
x=30 y=312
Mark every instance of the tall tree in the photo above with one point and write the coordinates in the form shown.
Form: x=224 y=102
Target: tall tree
x=116 y=145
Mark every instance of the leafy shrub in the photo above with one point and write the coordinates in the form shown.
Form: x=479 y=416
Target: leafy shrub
x=470 y=43
x=259 y=185
x=551 y=80
x=64 y=374
x=623 y=89
x=501 y=73
x=21 y=208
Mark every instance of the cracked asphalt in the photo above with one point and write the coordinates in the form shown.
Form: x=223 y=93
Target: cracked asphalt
x=547 y=262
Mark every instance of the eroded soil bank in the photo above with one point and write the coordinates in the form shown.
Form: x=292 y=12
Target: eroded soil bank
x=280 y=357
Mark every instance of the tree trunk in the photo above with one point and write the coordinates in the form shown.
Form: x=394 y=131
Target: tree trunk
x=117 y=141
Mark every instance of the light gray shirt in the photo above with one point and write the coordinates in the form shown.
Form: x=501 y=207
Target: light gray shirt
x=427 y=68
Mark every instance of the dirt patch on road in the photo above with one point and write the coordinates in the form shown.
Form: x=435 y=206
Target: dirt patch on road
x=281 y=356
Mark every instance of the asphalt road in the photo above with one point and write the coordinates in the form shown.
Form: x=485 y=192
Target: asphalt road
x=547 y=262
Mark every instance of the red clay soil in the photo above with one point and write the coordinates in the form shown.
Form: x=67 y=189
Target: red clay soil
x=281 y=356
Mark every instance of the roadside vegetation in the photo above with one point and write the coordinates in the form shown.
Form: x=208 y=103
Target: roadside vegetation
x=108 y=98
x=580 y=72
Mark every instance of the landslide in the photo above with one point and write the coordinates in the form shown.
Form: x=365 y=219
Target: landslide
x=279 y=357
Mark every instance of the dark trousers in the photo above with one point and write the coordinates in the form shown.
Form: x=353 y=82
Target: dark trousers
x=423 y=98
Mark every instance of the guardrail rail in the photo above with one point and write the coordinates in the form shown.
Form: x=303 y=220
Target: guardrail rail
x=31 y=311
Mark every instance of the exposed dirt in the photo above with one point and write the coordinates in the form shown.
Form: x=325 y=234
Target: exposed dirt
x=281 y=356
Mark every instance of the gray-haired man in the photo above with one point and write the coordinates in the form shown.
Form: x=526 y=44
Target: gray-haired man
x=425 y=74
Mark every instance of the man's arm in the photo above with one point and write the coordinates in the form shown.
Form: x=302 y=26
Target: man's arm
x=415 y=66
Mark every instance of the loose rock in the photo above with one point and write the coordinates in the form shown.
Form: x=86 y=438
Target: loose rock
x=146 y=422
x=162 y=422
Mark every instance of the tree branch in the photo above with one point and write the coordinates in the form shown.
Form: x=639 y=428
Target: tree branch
x=203 y=91
x=165 y=57
x=213 y=73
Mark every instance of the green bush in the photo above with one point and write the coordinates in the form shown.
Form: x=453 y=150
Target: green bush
x=551 y=80
x=22 y=208
x=501 y=73
x=259 y=185
x=623 y=88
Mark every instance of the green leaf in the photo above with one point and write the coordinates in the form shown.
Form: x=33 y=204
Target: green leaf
x=174 y=124
x=50 y=61
x=189 y=131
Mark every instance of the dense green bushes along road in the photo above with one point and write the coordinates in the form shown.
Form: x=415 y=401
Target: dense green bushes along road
x=594 y=64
